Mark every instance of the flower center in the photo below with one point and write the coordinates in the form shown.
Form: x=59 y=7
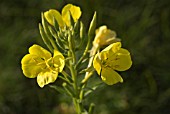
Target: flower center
x=49 y=63
x=105 y=63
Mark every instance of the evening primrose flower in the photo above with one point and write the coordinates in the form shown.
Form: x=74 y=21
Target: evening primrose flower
x=64 y=17
x=39 y=63
x=113 y=58
x=104 y=36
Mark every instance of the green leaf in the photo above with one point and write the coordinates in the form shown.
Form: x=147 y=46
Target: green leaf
x=57 y=88
x=89 y=69
x=90 y=90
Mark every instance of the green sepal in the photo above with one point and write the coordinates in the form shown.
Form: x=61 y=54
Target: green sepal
x=44 y=38
x=47 y=31
x=54 y=34
x=71 y=19
x=56 y=25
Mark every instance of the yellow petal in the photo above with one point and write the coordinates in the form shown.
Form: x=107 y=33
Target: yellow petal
x=116 y=47
x=97 y=63
x=110 y=77
x=32 y=65
x=39 y=52
x=122 y=60
x=73 y=10
x=46 y=77
x=59 y=61
x=113 y=48
x=117 y=57
x=54 y=14
x=105 y=36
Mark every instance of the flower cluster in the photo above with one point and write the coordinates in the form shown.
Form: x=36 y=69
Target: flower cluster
x=64 y=35
x=59 y=32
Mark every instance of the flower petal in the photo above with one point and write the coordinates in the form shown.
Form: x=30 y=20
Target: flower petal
x=114 y=47
x=110 y=77
x=120 y=61
x=117 y=57
x=32 y=65
x=52 y=13
x=97 y=63
x=39 y=52
x=105 y=36
x=75 y=13
x=104 y=55
x=46 y=77
x=59 y=61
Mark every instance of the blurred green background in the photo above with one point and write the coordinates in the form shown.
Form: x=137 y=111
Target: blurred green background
x=143 y=26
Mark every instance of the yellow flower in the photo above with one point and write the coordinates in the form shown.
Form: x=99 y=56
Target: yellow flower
x=63 y=18
x=110 y=59
x=104 y=36
x=39 y=63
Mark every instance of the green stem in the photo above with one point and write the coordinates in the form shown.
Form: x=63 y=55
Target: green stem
x=77 y=105
x=76 y=100
x=73 y=71
x=91 y=108
x=79 y=94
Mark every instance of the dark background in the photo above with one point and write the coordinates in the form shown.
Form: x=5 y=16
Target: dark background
x=143 y=26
